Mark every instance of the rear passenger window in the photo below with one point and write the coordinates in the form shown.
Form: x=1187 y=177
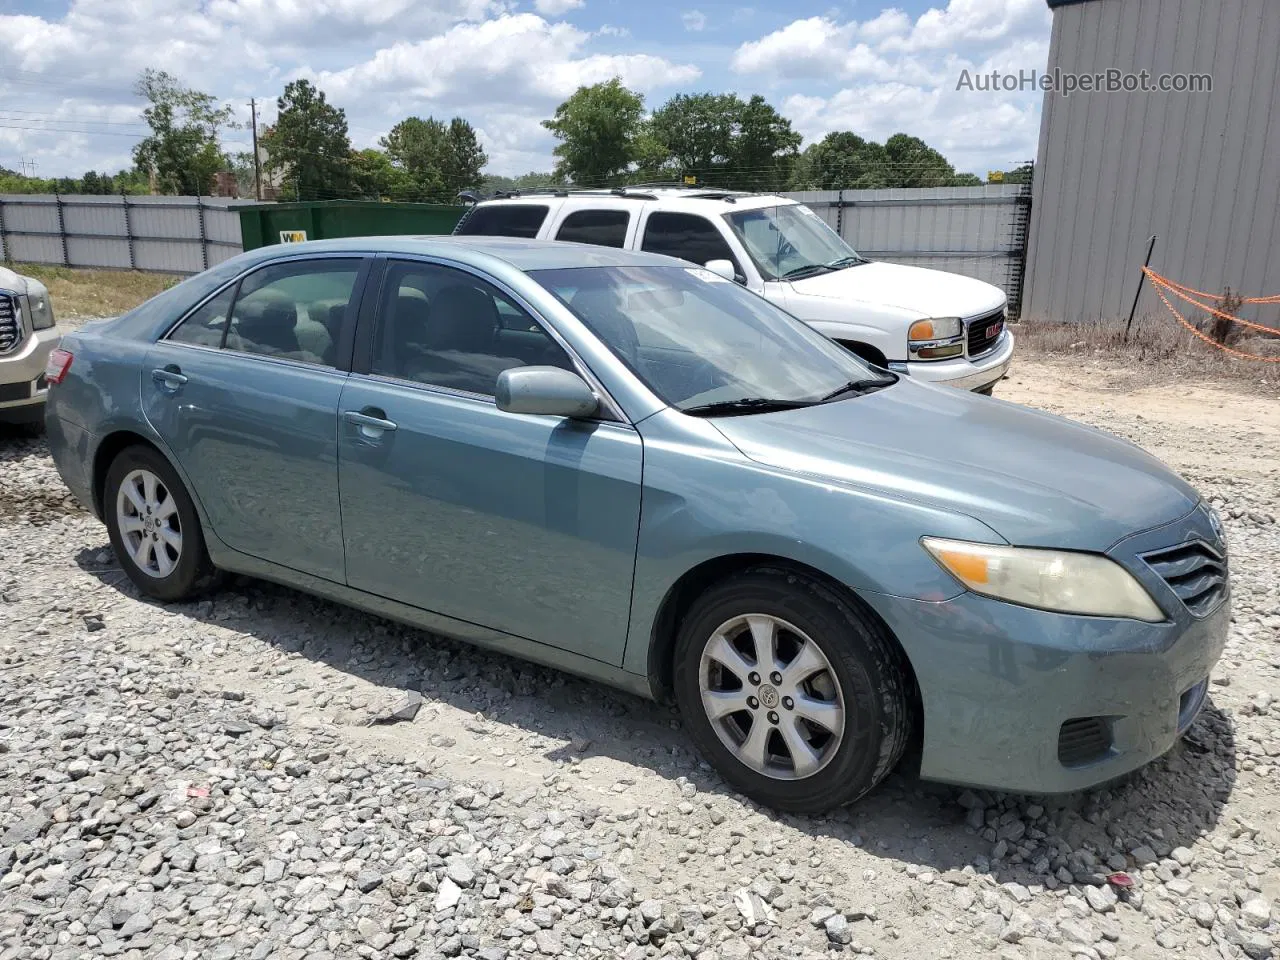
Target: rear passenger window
x=604 y=228
x=206 y=325
x=688 y=237
x=504 y=220
x=293 y=310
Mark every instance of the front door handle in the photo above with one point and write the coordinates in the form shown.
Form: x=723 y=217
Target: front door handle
x=370 y=426
x=169 y=376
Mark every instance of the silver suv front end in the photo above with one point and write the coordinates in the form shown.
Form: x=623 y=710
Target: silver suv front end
x=28 y=335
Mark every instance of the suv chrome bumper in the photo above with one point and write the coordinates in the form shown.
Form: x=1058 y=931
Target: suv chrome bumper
x=22 y=385
x=963 y=373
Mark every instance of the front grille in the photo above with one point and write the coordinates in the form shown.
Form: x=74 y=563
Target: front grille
x=1195 y=571
x=1083 y=740
x=983 y=333
x=10 y=323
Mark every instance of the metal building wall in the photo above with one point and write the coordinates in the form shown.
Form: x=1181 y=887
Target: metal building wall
x=1200 y=171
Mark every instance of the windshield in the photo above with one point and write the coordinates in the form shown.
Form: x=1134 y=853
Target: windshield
x=700 y=341
x=790 y=241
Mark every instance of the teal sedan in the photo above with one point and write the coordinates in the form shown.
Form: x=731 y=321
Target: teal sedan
x=625 y=466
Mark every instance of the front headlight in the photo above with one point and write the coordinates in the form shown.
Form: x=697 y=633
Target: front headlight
x=1059 y=580
x=937 y=338
x=39 y=307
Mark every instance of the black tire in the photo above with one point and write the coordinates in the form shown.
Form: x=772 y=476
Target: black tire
x=986 y=391
x=194 y=573
x=868 y=664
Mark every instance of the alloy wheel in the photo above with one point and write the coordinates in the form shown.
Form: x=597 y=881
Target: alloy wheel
x=147 y=517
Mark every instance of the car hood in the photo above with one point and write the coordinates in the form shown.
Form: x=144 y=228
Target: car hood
x=1036 y=479
x=930 y=293
x=13 y=281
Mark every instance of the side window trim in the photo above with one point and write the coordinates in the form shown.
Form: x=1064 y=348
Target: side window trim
x=346 y=334
x=371 y=318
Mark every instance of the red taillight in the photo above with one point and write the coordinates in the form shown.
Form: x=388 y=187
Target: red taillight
x=57 y=366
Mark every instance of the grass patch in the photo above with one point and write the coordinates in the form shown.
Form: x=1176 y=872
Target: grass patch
x=81 y=294
x=1158 y=348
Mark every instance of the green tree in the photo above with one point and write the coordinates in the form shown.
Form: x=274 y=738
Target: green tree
x=464 y=159
x=376 y=176
x=534 y=180
x=764 y=148
x=182 y=149
x=913 y=163
x=597 y=128
x=842 y=161
x=721 y=139
x=420 y=149
x=309 y=144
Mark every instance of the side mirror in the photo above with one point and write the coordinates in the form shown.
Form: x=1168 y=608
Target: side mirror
x=722 y=268
x=548 y=391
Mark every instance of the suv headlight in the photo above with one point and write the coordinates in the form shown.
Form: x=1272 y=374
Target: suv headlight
x=1059 y=580
x=39 y=308
x=937 y=338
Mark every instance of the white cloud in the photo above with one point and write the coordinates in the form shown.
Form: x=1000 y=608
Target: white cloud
x=694 y=20
x=556 y=8
x=380 y=60
x=609 y=30
x=895 y=74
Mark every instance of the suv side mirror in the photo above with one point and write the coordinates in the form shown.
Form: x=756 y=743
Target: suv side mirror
x=722 y=268
x=548 y=391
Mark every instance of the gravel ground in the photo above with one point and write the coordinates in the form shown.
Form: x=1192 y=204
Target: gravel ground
x=205 y=781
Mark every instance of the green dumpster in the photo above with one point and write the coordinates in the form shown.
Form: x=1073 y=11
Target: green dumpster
x=266 y=223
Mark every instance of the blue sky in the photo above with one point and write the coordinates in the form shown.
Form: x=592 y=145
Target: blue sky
x=67 y=66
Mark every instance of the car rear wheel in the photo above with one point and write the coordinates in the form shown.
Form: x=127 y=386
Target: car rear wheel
x=154 y=527
x=797 y=697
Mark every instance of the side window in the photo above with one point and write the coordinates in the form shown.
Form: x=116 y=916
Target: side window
x=687 y=236
x=504 y=220
x=293 y=310
x=604 y=228
x=447 y=328
x=206 y=326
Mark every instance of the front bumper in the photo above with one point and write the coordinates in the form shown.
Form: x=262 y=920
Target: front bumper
x=963 y=373
x=998 y=681
x=22 y=385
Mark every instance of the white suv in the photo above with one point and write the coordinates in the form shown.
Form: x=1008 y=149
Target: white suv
x=935 y=326
x=27 y=336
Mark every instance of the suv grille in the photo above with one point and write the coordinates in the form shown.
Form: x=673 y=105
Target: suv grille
x=983 y=332
x=10 y=323
x=1195 y=571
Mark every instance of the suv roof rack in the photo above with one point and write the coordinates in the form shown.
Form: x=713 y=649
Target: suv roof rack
x=472 y=196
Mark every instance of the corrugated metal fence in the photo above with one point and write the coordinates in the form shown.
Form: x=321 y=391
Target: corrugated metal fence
x=980 y=232
x=163 y=234
x=976 y=231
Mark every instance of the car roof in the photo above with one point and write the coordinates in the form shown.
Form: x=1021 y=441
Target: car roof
x=686 y=198
x=520 y=253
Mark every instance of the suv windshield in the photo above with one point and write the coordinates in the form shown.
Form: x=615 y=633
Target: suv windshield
x=790 y=241
x=707 y=346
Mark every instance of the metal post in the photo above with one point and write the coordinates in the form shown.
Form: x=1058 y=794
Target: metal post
x=4 y=244
x=128 y=230
x=62 y=230
x=257 y=166
x=204 y=238
x=1138 y=293
x=840 y=213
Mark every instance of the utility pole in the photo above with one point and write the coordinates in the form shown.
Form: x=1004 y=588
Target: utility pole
x=257 y=165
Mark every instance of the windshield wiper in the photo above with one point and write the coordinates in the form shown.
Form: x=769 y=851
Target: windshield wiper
x=850 y=261
x=858 y=387
x=808 y=270
x=743 y=405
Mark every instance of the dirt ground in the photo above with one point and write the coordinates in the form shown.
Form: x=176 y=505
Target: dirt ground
x=320 y=835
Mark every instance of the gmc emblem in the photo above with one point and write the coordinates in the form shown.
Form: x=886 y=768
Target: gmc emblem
x=993 y=331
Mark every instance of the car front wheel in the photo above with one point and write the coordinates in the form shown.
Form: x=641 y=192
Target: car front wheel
x=799 y=698
x=154 y=528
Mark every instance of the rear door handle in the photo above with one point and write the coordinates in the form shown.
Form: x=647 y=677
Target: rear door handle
x=369 y=425
x=168 y=378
